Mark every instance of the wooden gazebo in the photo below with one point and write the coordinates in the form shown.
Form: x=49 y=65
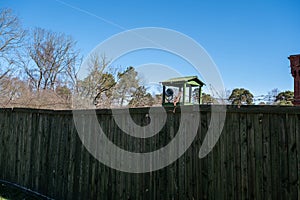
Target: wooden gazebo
x=181 y=89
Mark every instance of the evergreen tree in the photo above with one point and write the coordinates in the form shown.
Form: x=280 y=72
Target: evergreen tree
x=141 y=98
x=241 y=96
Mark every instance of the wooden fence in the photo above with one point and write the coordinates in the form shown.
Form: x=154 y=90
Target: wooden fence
x=256 y=157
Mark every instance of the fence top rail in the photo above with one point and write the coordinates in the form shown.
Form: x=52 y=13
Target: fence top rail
x=263 y=109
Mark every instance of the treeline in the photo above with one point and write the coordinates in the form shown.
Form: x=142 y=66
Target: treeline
x=242 y=96
x=38 y=68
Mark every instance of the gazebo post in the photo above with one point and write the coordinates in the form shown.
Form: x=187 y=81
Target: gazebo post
x=200 y=95
x=164 y=94
x=184 y=90
x=190 y=94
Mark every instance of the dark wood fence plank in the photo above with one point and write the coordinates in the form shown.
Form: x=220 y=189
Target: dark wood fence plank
x=251 y=155
x=297 y=134
x=256 y=157
x=258 y=139
x=244 y=156
x=267 y=192
x=275 y=137
x=223 y=153
x=203 y=183
x=235 y=128
x=229 y=180
x=292 y=157
x=284 y=131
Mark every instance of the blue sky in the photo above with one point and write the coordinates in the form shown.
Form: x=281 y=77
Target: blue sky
x=248 y=40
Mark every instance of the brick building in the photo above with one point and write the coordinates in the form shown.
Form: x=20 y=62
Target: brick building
x=295 y=70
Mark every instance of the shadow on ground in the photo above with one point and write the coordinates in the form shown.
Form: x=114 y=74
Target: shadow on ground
x=10 y=191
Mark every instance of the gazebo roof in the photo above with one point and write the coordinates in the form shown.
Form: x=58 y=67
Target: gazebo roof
x=191 y=80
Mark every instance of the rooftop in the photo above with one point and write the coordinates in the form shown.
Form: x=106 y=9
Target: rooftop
x=191 y=80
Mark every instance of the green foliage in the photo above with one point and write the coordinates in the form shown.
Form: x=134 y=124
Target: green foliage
x=241 y=96
x=49 y=62
x=285 y=98
x=99 y=83
x=208 y=99
x=141 y=98
x=127 y=85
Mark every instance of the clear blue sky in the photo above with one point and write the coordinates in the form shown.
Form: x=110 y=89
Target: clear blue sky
x=248 y=40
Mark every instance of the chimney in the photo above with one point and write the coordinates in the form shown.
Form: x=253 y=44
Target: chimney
x=295 y=70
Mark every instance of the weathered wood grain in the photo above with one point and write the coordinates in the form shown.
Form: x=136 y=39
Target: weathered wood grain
x=256 y=157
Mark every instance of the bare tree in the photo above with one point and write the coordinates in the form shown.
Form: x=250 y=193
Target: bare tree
x=11 y=39
x=11 y=90
x=99 y=83
x=53 y=57
x=49 y=60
